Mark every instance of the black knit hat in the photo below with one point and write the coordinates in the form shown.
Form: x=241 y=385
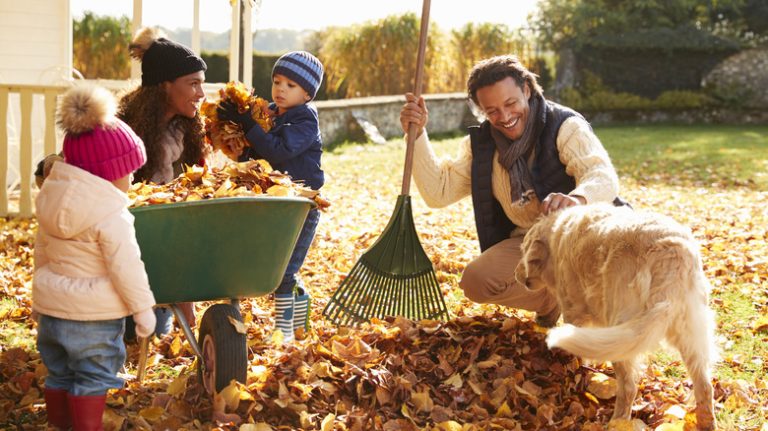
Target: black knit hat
x=162 y=59
x=166 y=60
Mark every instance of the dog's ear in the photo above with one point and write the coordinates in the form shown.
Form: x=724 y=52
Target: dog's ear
x=533 y=263
x=535 y=257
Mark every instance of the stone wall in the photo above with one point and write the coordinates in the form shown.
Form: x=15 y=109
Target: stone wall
x=742 y=78
x=346 y=119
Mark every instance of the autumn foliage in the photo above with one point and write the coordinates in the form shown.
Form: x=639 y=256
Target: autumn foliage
x=486 y=368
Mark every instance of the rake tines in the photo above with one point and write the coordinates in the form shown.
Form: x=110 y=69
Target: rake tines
x=393 y=278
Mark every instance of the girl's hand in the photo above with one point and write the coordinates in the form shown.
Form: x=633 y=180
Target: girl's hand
x=145 y=322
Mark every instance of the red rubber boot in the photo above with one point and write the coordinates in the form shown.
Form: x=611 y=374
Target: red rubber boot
x=87 y=411
x=58 y=408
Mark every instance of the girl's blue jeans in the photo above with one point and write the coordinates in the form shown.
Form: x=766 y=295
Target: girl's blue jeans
x=291 y=277
x=82 y=357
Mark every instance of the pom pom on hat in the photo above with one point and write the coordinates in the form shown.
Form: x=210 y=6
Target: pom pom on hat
x=83 y=108
x=143 y=40
x=95 y=140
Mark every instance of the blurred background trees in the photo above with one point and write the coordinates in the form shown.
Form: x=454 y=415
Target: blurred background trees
x=379 y=57
x=587 y=53
x=100 y=46
x=369 y=59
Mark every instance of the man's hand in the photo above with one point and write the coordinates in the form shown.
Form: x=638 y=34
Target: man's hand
x=414 y=111
x=557 y=201
x=228 y=111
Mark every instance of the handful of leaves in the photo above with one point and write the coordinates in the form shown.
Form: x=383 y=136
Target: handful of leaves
x=226 y=135
x=251 y=178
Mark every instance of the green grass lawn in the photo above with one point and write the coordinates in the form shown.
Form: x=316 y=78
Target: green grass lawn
x=699 y=154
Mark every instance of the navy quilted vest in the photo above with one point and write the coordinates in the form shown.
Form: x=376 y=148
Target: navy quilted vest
x=548 y=174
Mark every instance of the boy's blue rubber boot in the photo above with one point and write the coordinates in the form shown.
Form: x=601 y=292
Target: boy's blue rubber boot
x=284 y=304
x=302 y=309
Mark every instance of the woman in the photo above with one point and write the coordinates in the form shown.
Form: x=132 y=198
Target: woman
x=164 y=109
x=164 y=112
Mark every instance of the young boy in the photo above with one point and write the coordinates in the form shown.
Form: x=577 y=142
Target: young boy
x=293 y=146
x=88 y=269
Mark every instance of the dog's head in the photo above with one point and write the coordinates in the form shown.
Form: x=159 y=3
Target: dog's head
x=534 y=269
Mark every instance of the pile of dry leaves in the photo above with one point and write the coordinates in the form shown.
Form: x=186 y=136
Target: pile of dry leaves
x=225 y=135
x=251 y=178
x=487 y=368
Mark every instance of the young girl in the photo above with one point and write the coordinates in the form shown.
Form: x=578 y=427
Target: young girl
x=88 y=269
x=293 y=146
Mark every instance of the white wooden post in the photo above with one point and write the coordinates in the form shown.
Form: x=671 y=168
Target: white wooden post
x=49 y=145
x=68 y=36
x=135 y=26
x=25 y=154
x=234 y=39
x=3 y=152
x=196 y=27
x=248 y=44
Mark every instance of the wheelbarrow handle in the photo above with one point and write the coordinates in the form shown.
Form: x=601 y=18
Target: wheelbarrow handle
x=143 y=353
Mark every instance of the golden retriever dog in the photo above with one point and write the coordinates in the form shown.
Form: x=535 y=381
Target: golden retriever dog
x=625 y=281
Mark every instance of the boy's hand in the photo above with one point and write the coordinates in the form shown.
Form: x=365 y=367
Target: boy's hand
x=228 y=111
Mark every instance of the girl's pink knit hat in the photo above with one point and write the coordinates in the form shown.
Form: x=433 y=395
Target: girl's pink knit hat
x=96 y=140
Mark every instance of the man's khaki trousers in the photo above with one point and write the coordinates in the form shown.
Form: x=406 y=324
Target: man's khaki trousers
x=490 y=279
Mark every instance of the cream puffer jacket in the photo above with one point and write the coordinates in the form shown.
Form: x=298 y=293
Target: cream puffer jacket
x=87 y=262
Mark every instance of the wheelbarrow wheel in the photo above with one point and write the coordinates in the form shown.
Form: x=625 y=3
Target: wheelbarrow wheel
x=223 y=348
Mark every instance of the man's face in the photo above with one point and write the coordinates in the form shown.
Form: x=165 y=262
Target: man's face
x=505 y=105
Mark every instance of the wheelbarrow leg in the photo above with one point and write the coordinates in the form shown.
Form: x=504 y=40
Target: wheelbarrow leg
x=187 y=332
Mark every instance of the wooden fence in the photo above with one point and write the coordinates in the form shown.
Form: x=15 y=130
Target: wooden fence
x=26 y=93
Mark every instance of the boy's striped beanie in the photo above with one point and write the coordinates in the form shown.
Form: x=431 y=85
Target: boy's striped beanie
x=301 y=67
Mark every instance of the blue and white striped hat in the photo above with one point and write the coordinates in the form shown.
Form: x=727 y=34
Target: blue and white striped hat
x=301 y=67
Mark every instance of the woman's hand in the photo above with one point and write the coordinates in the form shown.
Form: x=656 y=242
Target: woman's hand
x=414 y=111
x=558 y=201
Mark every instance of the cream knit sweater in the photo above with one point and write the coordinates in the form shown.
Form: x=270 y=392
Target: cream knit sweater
x=444 y=181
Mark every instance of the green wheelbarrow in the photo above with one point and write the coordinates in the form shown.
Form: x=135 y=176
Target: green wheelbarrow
x=217 y=249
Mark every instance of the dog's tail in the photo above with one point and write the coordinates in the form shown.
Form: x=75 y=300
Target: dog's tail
x=614 y=343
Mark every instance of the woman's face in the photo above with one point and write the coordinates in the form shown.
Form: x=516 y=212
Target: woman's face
x=505 y=105
x=185 y=94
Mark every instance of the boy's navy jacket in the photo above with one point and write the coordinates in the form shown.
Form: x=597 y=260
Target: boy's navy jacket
x=292 y=146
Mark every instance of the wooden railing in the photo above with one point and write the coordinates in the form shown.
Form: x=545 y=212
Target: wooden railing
x=26 y=93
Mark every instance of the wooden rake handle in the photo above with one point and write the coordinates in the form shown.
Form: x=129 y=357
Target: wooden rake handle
x=412 y=127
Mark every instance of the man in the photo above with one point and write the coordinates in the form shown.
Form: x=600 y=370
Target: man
x=529 y=157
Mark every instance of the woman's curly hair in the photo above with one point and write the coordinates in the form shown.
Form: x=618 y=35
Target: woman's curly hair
x=143 y=109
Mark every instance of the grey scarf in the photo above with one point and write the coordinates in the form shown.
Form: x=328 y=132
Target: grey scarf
x=514 y=155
